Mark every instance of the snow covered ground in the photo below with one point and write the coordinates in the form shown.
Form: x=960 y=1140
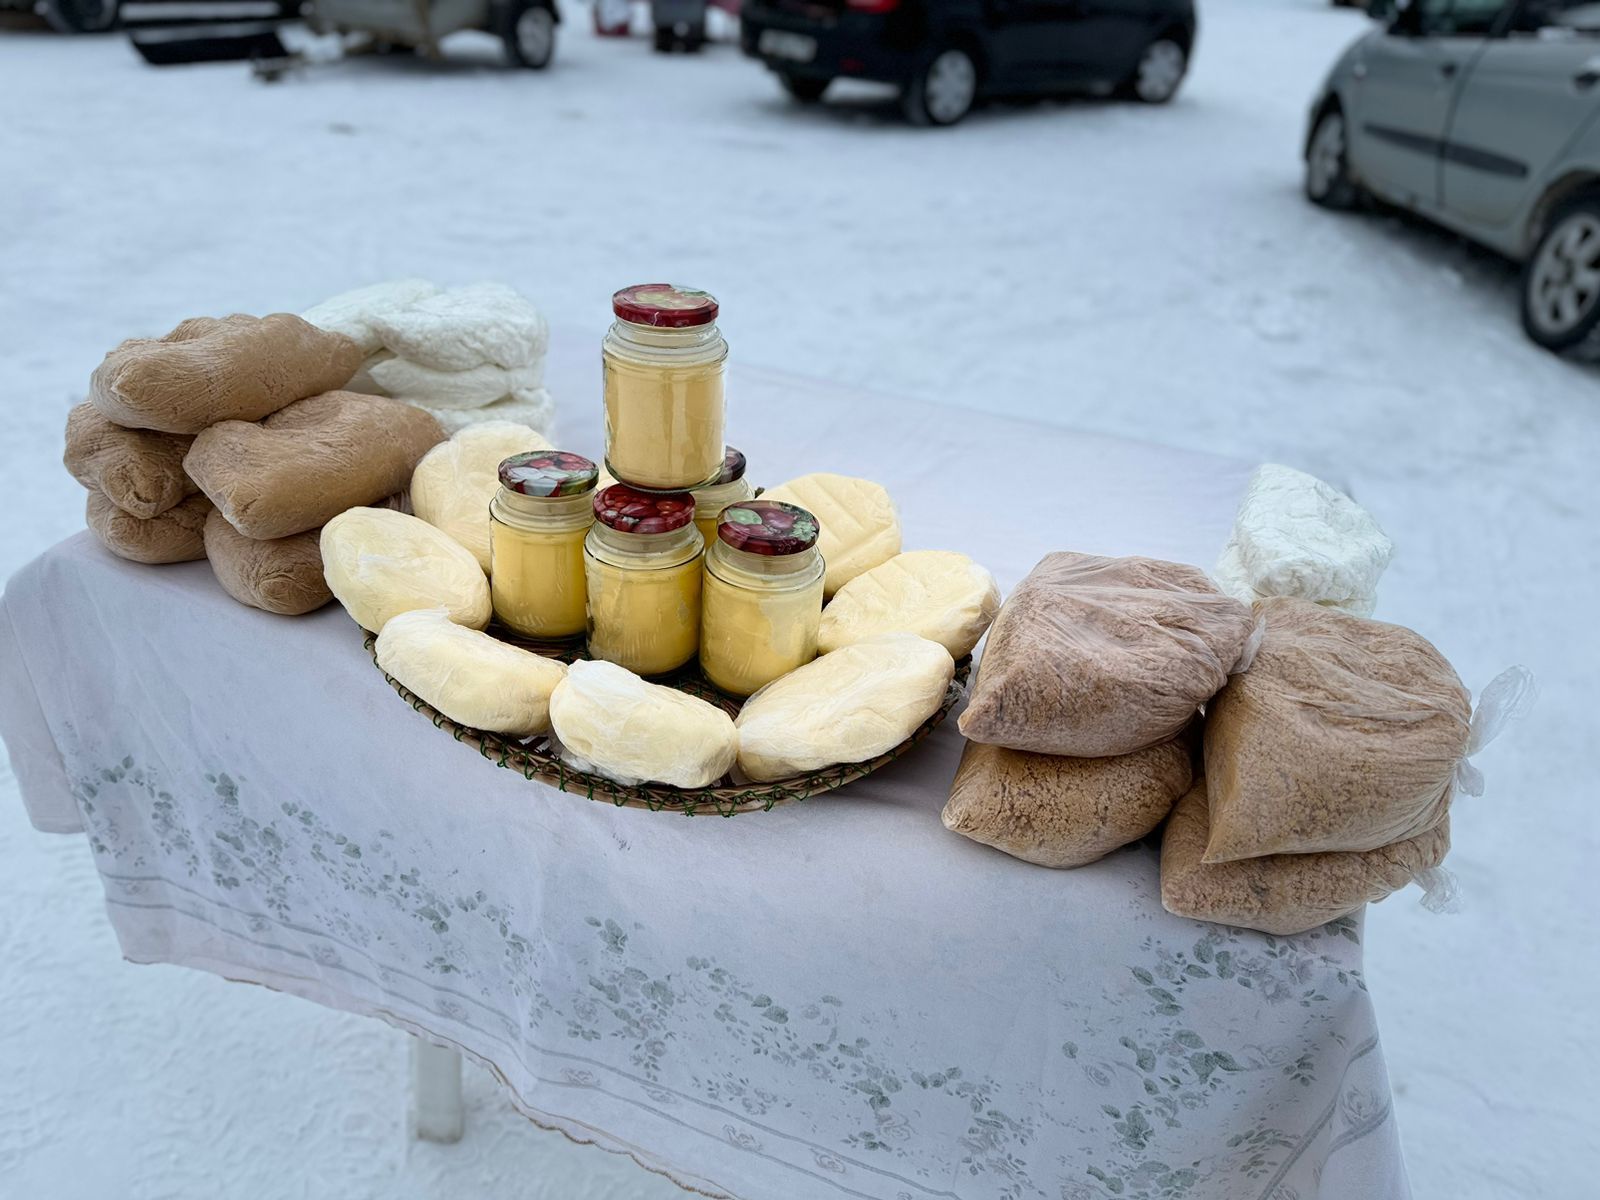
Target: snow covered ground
x=1151 y=273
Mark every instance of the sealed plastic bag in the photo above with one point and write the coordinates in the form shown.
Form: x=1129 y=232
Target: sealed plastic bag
x=1064 y=812
x=469 y=676
x=1346 y=734
x=1297 y=536
x=1096 y=657
x=610 y=722
x=1287 y=893
x=845 y=707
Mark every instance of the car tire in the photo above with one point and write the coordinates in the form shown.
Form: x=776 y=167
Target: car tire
x=695 y=40
x=80 y=16
x=1327 y=180
x=1159 y=72
x=805 y=89
x=943 y=90
x=1561 y=283
x=663 y=40
x=528 y=29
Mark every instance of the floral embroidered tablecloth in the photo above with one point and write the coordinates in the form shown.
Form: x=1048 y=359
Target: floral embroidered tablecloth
x=836 y=998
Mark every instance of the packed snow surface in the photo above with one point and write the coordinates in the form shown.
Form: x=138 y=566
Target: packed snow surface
x=1150 y=272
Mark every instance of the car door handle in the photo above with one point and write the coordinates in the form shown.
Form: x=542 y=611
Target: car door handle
x=1447 y=71
x=1588 y=75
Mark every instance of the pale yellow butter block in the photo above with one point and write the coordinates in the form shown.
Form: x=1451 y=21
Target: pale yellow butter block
x=937 y=594
x=610 y=722
x=845 y=707
x=858 y=523
x=380 y=563
x=455 y=481
x=469 y=676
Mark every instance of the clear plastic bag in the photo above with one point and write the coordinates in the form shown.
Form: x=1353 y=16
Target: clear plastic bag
x=1094 y=657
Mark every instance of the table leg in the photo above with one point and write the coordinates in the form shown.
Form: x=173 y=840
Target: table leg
x=436 y=1110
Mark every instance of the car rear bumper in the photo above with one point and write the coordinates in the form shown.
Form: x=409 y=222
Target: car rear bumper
x=874 y=46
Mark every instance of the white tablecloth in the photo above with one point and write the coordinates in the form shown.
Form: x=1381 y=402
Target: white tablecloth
x=836 y=998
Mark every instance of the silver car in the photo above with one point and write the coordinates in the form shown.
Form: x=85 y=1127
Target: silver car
x=1482 y=116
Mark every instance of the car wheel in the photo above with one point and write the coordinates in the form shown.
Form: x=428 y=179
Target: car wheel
x=1561 y=283
x=1328 y=181
x=806 y=89
x=80 y=16
x=943 y=91
x=529 y=34
x=1161 y=69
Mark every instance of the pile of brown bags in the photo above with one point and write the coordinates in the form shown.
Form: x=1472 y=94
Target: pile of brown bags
x=228 y=440
x=1331 y=744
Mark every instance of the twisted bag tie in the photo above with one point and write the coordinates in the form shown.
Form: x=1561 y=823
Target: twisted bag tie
x=1509 y=697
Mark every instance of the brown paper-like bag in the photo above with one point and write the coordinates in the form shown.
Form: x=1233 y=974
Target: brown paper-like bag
x=1282 y=893
x=283 y=575
x=208 y=370
x=1064 y=812
x=138 y=470
x=1344 y=735
x=303 y=466
x=1095 y=657
x=177 y=535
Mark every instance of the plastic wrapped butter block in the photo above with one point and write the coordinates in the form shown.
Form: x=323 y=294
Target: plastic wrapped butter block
x=1297 y=536
x=845 y=707
x=610 y=722
x=455 y=481
x=380 y=563
x=469 y=676
x=937 y=594
x=859 y=526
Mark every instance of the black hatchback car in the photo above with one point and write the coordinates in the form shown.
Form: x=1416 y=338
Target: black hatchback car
x=946 y=54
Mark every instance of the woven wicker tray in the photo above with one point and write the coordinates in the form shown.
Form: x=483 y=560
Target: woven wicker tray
x=533 y=758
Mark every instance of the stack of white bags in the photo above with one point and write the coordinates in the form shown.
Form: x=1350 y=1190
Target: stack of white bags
x=465 y=354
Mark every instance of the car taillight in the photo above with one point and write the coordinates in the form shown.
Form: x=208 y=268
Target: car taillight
x=872 y=6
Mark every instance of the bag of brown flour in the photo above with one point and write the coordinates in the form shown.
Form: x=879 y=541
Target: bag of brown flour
x=175 y=536
x=1096 y=657
x=282 y=575
x=139 y=471
x=1064 y=812
x=1287 y=893
x=1346 y=734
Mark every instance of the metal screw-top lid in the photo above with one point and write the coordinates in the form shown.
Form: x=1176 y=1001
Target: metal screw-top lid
x=732 y=469
x=629 y=510
x=548 y=473
x=767 y=527
x=665 y=305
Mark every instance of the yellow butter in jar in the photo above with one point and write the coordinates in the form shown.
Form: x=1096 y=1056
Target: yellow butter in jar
x=763 y=595
x=642 y=566
x=727 y=488
x=663 y=363
x=537 y=524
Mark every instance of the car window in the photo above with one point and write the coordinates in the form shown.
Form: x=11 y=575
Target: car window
x=1460 y=18
x=1581 y=16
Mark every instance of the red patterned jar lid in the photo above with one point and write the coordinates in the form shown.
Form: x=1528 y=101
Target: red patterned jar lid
x=733 y=465
x=664 y=305
x=767 y=527
x=629 y=510
x=548 y=473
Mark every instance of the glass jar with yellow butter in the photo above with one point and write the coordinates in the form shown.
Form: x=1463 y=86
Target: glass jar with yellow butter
x=763 y=595
x=663 y=363
x=537 y=523
x=729 y=487
x=642 y=565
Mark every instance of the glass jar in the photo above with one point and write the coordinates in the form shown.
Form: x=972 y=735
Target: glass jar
x=642 y=564
x=763 y=595
x=537 y=523
x=727 y=488
x=663 y=362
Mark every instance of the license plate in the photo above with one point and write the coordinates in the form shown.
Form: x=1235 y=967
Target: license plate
x=779 y=43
